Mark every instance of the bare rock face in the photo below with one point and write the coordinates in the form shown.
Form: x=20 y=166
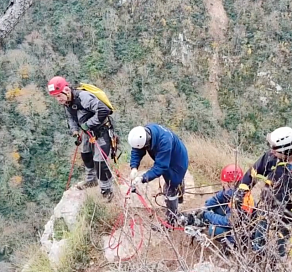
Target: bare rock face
x=69 y=206
x=56 y=251
x=66 y=211
x=47 y=237
x=128 y=240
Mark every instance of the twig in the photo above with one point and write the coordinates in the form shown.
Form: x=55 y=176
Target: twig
x=201 y=254
x=181 y=261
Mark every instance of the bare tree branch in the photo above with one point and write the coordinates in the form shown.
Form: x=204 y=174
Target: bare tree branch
x=12 y=15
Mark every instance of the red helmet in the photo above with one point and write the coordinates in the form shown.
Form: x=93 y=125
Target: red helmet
x=56 y=85
x=231 y=173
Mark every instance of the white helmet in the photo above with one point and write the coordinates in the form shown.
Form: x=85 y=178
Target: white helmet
x=137 y=137
x=280 y=139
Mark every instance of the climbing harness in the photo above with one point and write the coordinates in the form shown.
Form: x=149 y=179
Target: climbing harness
x=115 y=141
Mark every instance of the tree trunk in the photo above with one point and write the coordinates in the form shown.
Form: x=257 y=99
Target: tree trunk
x=12 y=15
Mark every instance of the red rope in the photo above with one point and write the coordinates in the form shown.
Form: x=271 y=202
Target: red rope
x=119 y=222
x=97 y=145
x=72 y=168
x=121 y=219
x=132 y=224
x=163 y=222
x=150 y=210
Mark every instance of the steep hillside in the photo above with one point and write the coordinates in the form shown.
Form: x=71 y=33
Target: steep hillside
x=218 y=69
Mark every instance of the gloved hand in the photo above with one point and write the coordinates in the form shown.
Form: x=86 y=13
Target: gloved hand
x=239 y=194
x=137 y=180
x=191 y=219
x=198 y=222
x=78 y=138
x=133 y=174
x=183 y=219
x=84 y=127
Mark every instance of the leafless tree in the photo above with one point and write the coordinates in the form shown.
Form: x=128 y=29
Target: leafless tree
x=13 y=13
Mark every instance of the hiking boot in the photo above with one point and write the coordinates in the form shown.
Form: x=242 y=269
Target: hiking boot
x=107 y=194
x=86 y=184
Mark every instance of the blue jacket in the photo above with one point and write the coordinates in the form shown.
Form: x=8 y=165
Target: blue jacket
x=169 y=154
x=219 y=215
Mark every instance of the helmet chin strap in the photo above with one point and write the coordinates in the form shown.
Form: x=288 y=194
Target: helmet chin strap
x=69 y=96
x=148 y=138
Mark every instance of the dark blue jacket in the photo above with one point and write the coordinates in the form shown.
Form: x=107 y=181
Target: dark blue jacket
x=262 y=166
x=219 y=215
x=169 y=154
x=280 y=177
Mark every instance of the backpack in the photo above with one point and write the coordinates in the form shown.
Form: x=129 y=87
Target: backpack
x=109 y=124
x=100 y=94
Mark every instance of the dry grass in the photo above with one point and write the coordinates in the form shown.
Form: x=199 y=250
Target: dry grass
x=30 y=258
x=207 y=157
x=147 y=162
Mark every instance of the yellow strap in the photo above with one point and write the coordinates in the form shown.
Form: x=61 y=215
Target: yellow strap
x=243 y=186
x=279 y=164
x=254 y=174
x=180 y=191
x=269 y=182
